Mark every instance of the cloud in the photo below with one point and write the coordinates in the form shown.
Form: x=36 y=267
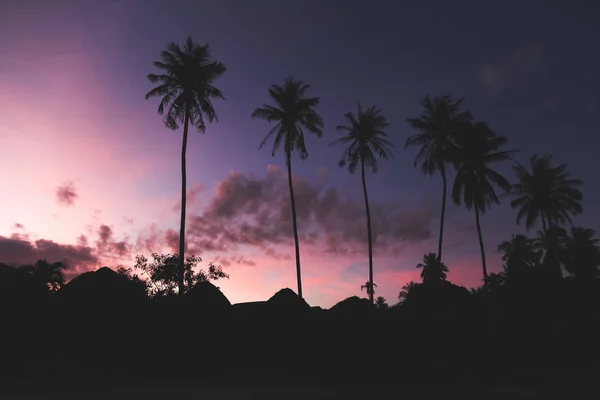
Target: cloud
x=192 y=197
x=18 y=249
x=228 y=261
x=107 y=246
x=18 y=226
x=66 y=194
x=497 y=75
x=250 y=211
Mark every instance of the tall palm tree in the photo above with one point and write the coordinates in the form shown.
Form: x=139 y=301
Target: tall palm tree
x=369 y=287
x=478 y=147
x=433 y=268
x=185 y=85
x=293 y=113
x=438 y=125
x=583 y=249
x=547 y=192
x=52 y=274
x=366 y=142
x=405 y=292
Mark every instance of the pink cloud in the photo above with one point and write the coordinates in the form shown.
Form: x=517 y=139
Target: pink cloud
x=66 y=194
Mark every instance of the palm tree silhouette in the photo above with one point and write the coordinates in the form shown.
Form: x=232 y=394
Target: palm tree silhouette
x=433 y=269
x=293 y=113
x=52 y=274
x=547 y=192
x=519 y=257
x=438 y=126
x=553 y=242
x=405 y=292
x=369 y=287
x=186 y=90
x=366 y=142
x=478 y=146
x=583 y=252
x=381 y=303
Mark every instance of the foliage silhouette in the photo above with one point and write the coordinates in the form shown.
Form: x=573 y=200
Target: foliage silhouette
x=369 y=287
x=477 y=147
x=292 y=113
x=432 y=268
x=405 y=292
x=186 y=90
x=521 y=259
x=583 y=254
x=381 y=303
x=163 y=273
x=439 y=125
x=553 y=242
x=547 y=192
x=366 y=142
x=51 y=274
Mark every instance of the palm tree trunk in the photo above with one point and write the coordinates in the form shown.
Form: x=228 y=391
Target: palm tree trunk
x=183 y=204
x=295 y=225
x=544 y=223
x=483 y=263
x=441 y=239
x=364 y=185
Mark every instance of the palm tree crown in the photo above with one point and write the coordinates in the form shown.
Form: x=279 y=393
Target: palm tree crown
x=366 y=139
x=583 y=250
x=433 y=268
x=293 y=113
x=52 y=274
x=405 y=292
x=186 y=84
x=546 y=191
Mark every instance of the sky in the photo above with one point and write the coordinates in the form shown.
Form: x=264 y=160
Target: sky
x=91 y=176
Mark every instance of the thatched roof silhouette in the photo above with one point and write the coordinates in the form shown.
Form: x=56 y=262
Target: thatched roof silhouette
x=287 y=300
x=207 y=297
x=353 y=307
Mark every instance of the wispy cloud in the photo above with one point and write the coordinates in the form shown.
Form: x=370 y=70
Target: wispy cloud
x=66 y=194
x=499 y=74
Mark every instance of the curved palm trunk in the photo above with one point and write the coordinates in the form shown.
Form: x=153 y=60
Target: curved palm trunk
x=483 y=263
x=441 y=239
x=364 y=185
x=297 y=244
x=183 y=204
x=544 y=224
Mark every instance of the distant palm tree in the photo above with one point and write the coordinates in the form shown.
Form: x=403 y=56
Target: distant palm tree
x=478 y=147
x=292 y=113
x=547 y=192
x=519 y=256
x=381 y=303
x=433 y=268
x=405 y=292
x=366 y=142
x=186 y=89
x=553 y=242
x=493 y=281
x=438 y=126
x=583 y=252
x=369 y=287
x=52 y=274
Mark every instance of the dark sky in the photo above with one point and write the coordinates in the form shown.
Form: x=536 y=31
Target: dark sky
x=528 y=68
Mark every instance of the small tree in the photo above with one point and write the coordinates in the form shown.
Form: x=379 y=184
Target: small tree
x=381 y=303
x=162 y=272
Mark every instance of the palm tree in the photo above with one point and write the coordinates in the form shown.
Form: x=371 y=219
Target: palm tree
x=293 y=113
x=52 y=274
x=519 y=256
x=438 y=125
x=185 y=86
x=547 y=192
x=405 y=292
x=433 y=268
x=478 y=147
x=381 y=303
x=370 y=289
x=366 y=142
x=553 y=242
x=583 y=250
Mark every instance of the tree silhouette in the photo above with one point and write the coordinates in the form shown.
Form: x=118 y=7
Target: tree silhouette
x=292 y=114
x=583 y=254
x=433 y=269
x=164 y=276
x=185 y=86
x=553 y=242
x=547 y=192
x=478 y=147
x=366 y=142
x=520 y=257
x=52 y=274
x=381 y=303
x=369 y=287
x=405 y=292
x=438 y=126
